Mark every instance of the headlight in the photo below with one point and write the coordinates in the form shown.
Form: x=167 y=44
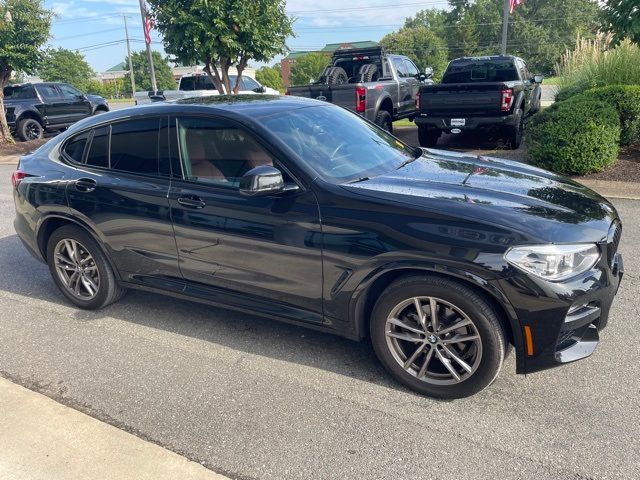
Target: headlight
x=554 y=262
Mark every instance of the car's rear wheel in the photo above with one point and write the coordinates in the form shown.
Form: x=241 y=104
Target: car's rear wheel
x=437 y=336
x=384 y=121
x=29 y=129
x=80 y=269
x=428 y=137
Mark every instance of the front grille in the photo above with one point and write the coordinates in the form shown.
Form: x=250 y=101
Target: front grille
x=565 y=339
x=613 y=239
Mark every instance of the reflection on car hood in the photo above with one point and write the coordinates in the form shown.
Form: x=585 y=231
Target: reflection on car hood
x=541 y=204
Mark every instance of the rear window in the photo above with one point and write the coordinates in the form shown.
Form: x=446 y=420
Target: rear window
x=19 y=92
x=201 y=82
x=98 y=155
x=477 y=71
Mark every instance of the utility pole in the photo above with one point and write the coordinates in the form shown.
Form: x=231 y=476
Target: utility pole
x=133 y=80
x=152 y=71
x=505 y=26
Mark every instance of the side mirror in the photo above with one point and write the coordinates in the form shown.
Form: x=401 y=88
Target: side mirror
x=428 y=72
x=538 y=78
x=261 y=181
x=260 y=89
x=422 y=77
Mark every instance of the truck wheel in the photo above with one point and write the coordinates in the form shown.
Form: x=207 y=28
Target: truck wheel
x=437 y=337
x=384 y=121
x=29 y=129
x=368 y=72
x=337 y=76
x=513 y=135
x=428 y=137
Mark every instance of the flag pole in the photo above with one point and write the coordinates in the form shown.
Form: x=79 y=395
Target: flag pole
x=505 y=26
x=152 y=71
x=133 y=80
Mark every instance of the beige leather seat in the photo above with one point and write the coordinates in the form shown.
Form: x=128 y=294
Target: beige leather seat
x=201 y=166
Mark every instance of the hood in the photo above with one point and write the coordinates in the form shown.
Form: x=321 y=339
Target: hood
x=541 y=205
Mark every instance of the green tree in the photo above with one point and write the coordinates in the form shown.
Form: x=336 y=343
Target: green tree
x=62 y=65
x=164 y=77
x=622 y=17
x=24 y=28
x=222 y=33
x=419 y=44
x=271 y=77
x=308 y=68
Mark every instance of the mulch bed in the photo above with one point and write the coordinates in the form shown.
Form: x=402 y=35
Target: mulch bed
x=20 y=148
x=626 y=169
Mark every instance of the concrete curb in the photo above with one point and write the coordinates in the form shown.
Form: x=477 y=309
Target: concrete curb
x=608 y=189
x=41 y=439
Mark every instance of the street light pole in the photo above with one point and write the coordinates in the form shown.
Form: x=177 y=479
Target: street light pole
x=505 y=26
x=133 y=80
x=152 y=71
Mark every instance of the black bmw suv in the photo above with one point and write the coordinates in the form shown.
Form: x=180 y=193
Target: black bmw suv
x=301 y=211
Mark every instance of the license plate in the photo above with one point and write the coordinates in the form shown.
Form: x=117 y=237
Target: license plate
x=458 y=122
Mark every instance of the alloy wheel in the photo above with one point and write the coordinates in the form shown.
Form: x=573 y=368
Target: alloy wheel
x=433 y=340
x=33 y=131
x=76 y=269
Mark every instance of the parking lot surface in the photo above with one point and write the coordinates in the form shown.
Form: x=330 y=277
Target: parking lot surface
x=252 y=398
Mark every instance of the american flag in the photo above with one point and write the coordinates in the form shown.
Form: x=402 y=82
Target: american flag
x=148 y=25
x=513 y=4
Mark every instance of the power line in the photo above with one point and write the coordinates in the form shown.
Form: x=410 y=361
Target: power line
x=87 y=34
x=373 y=7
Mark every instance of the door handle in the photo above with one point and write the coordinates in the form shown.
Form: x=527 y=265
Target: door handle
x=191 y=202
x=85 y=184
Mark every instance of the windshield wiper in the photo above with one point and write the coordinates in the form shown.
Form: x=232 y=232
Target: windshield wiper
x=407 y=162
x=361 y=179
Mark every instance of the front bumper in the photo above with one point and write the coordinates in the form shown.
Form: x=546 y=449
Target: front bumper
x=560 y=322
x=471 y=123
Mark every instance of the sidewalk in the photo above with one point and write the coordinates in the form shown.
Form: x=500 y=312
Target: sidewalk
x=41 y=439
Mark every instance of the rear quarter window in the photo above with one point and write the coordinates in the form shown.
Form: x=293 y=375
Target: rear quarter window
x=74 y=148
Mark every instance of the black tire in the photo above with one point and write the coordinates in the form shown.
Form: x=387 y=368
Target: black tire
x=513 y=135
x=337 y=76
x=428 y=137
x=492 y=337
x=29 y=129
x=536 y=104
x=368 y=72
x=109 y=290
x=383 y=120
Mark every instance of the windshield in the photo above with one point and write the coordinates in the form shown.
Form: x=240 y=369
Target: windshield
x=338 y=144
x=470 y=71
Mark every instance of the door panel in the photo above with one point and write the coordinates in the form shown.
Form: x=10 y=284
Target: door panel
x=54 y=106
x=77 y=106
x=130 y=212
x=261 y=247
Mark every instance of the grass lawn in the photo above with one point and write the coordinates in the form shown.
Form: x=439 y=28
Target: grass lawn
x=119 y=100
x=405 y=122
x=550 y=81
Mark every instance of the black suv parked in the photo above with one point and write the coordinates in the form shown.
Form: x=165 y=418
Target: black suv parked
x=299 y=210
x=33 y=108
x=490 y=93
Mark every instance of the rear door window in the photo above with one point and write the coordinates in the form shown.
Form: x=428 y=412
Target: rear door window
x=98 y=155
x=75 y=147
x=19 y=92
x=134 y=146
x=49 y=92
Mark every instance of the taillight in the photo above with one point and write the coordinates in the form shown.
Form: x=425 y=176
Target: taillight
x=418 y=102
x=16 y=177
x=506 y=100
x=361 y=99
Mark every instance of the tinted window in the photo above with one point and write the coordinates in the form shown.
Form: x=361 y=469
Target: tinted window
x=19 y=92
x=69 y=92
x=249 y=83
x=217 y=153
x=99 y=149
x=75 y=147
x=338 y=144
x=49 y=92
x=412 y=70
x=134 y=146
x=469 y=71
x=400 y=67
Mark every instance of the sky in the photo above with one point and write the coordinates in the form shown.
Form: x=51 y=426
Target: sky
x=96 y=27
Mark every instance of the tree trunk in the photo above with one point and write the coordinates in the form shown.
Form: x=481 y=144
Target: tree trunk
x=240 y=68
x=5 y=133
x=225 y=63
x=215 y=76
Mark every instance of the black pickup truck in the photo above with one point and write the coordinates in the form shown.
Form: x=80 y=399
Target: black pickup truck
x=495 y=93
x=35 y=108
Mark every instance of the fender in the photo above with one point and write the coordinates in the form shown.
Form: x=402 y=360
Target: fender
x=359 y=297
x=20 y=112
x=385 y=95
x=87 y=226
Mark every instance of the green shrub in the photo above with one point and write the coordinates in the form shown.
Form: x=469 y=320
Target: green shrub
x=575 y=137
x=626 y=100
x=595 y=63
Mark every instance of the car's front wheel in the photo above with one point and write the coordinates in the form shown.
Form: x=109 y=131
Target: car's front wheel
x=437 y=336
x=80 y=269
x=29 y=129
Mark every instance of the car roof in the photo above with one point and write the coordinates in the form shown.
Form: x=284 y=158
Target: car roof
x=246 y=106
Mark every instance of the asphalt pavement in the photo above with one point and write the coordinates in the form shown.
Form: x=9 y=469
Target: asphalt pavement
x=253 y=398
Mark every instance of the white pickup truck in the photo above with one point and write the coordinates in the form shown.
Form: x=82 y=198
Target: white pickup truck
x=200 y=85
